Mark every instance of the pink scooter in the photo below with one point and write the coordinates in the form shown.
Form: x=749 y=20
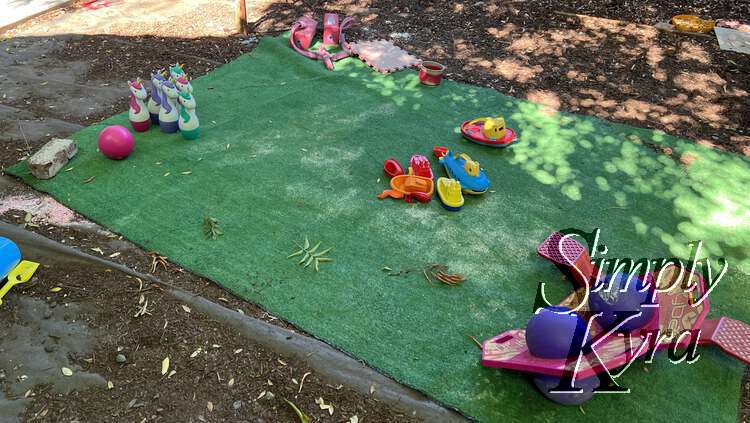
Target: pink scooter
x=304 y=30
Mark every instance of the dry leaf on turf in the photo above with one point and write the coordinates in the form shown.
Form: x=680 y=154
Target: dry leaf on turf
x=353 y=419
x=55 y=289
x=186 y=308
x=66 y=371
x=164 y=365
x=110 y=385
x=211 y=228
x=210 y=406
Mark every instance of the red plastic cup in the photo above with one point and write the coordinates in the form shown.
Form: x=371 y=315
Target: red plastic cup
x=431 y=73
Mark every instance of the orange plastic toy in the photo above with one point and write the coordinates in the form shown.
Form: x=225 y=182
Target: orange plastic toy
x=408 y=187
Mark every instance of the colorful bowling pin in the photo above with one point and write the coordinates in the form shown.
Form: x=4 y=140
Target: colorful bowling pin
x=154 y=103
x=168 y=119
x=138 y=113
x=189 y=125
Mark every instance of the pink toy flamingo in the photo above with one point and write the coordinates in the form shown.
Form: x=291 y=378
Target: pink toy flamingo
x=138 y=114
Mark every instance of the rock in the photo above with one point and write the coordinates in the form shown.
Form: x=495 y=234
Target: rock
x=121 y=358
x=46 y=162
x=269 y=396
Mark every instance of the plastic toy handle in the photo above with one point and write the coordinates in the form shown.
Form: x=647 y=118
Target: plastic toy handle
x=439 y=151
x=391 y=193
x=20 y=274
x=480 y=119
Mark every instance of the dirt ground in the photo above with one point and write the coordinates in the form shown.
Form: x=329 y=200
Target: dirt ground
x=681 y=84
x=218 y=377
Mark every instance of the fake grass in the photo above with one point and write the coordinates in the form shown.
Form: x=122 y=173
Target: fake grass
x=289 y=149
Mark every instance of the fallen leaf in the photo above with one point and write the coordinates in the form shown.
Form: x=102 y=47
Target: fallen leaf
x=164 y=365
x=237 y=351
x=171 y=373
x=186 y=173
x=261 y=395
x=231 y=382
x=302 y=382
x=323 y=406
x=303 y=418
x=110 y=385
x=195 y=353
x=66 y=371
x=55 y=289
x=68 y=169
x=210 y=406
x=186 y=308
x=113 y=255
x=281 y=362
x=87 y=180
x=168 y=173
x=354 y=419
x=98 y=250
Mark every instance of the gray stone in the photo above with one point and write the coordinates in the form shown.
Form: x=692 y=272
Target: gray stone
x=46 y=162
x=120 y=358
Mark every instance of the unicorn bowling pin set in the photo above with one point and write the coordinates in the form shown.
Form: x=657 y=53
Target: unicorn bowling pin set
x=171 y=105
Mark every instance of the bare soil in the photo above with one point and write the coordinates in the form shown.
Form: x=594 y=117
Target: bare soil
x=227 y=380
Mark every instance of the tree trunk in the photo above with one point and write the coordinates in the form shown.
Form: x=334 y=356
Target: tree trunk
x=241 y=16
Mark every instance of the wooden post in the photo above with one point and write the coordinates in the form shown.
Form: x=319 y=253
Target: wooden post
x=241 y=16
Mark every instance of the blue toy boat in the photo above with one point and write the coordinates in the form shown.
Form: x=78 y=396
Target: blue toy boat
x=466 y=171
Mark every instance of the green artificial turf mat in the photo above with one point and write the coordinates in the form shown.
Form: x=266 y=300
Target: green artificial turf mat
x=289 y=150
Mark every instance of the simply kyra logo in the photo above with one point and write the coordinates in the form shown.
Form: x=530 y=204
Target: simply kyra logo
x=624 y=309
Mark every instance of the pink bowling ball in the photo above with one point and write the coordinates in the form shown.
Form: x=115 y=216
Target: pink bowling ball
x=116 y=142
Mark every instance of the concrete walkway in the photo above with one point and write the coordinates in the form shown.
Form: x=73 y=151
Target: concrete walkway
x=14 y=11
x=183 y=18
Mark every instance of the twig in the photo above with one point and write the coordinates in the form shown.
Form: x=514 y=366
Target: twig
x=20 y=128
x=479 y=344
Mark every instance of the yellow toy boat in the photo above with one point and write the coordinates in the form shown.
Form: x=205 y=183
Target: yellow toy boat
x=449 y=192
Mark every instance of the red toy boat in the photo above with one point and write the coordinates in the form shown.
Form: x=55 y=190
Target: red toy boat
x=481 y=131
x=421 y=166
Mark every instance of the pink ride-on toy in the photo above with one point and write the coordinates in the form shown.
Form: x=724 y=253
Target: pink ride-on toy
x=304 y=30
x=680 y=309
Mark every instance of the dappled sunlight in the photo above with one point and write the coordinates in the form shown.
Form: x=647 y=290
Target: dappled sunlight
x=692 y=51
x=545 y=98
x=503 y=32
x=681 y=177
x=705 y=84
